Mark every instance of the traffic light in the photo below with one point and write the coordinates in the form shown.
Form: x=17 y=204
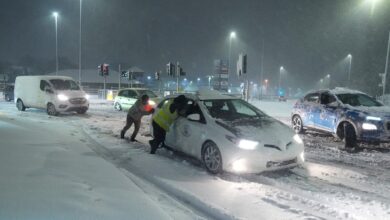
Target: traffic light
x=105 y=69
x=125 y=74
x=170 y=69
x=244 y=57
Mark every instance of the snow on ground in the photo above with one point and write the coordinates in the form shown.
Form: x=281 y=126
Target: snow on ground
x=332 y=185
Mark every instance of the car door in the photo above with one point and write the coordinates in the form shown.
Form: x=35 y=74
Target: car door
x=328 y=112
x=310 y=109
x=189 y=133
x=131 y=98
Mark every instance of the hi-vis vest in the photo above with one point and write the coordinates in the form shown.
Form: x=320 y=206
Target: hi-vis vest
x=164 y=117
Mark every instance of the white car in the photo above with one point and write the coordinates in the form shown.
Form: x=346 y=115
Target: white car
x=127 y=97
x=229 y=134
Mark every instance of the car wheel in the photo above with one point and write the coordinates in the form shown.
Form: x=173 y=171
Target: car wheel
x=81 y=111
x=20 y=105
x=349 y=136
x=117 y=106
x=51 y=110
x=212 y=158
x=297 y=124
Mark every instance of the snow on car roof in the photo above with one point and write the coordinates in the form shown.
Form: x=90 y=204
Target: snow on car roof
x=204 y=95
x=342 y=90
x=337 y=90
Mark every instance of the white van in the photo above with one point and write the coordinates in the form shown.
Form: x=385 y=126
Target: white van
x=54 y=93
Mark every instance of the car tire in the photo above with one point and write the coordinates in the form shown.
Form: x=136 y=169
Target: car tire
x=349 y=136
x=212 y=158
x=117 y=106
x=51 y=110
x=297 y=124
x=20 y=105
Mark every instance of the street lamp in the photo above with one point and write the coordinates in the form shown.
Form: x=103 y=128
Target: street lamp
x=149 y=77
x=349 y=69
x=266 y=85
x=280 y=75
x=55 y=15
x=81 y=3
x=231 y=37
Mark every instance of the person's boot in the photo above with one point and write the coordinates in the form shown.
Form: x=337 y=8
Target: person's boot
x=122 y=134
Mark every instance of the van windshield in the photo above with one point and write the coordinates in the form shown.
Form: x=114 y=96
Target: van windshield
x=60 y=84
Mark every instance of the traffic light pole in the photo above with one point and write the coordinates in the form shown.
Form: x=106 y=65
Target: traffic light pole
x=119 y=73
x=386 y=67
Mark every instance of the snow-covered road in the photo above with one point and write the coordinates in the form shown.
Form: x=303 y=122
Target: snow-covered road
x=333 y=184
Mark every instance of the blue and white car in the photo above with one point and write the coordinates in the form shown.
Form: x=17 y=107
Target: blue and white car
x=350 y=115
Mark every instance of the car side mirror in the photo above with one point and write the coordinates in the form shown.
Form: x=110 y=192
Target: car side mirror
x=194 y=117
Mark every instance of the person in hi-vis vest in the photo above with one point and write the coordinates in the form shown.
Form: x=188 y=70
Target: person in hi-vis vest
x=163 y=119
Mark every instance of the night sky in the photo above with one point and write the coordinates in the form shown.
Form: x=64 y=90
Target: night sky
x=310 y=38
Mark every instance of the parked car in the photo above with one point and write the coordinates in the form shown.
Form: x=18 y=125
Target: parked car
x=350 y=115
x=54 y=93
x=9 y=93
x=229 y=134
x=127 y=97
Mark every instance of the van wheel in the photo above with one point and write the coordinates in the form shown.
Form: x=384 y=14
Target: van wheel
x=51 y=110
x=20 y=105
x=212 y=158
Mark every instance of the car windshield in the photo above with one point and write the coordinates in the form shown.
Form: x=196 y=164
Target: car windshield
x=232 y=109
x=147 y=92
x=358 y=100
x=60 y=84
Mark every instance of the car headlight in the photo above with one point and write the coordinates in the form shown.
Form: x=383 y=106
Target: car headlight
x=373 y=118
x=298 y=139
x=87 y=96
x=62 y=97
x=247 y=144
x=369 y=126
x=151 y=102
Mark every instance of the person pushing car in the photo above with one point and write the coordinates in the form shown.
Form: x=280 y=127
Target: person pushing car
x=140 y=108
x=163 y=119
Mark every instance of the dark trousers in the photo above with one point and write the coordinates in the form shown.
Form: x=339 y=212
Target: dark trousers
x=129 y=122
x=159 y=137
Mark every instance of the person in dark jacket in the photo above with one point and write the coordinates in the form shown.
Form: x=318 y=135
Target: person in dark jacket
x=163 y=119
x=135 y=114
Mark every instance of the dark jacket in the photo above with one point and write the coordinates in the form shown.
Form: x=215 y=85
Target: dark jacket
x=138 y=110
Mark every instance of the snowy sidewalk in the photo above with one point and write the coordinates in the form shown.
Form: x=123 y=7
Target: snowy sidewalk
x=48 y=172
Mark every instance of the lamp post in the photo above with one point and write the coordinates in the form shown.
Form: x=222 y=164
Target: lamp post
x=280 y=75
x=349 y=69
x=81 y=3
x=55 y=15
x=231 y=37
x=386 y=66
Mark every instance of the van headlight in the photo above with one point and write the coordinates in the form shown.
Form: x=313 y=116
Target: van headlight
x=247 y=144
x=87 y=96
x=298 y=139
x=62 y=97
